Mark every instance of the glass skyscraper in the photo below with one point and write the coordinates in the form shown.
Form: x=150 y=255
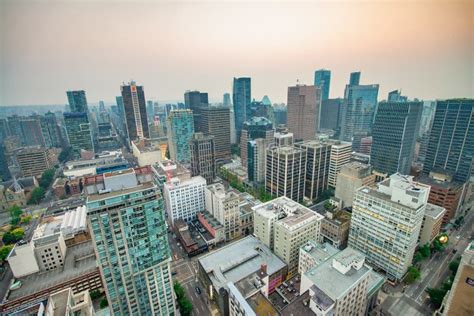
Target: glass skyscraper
x=451 y=141
x=180 y=127
x=322 y=78
x=126 y=215
x=394 y=135
x=241 y=97
x=134 y=105
x=79 y=132
x=77 y=101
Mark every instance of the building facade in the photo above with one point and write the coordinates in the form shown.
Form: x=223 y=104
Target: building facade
x=340 y=155
x=352 y=176
x=203 y=157
x=33 y=161
x=180 y=126
x=254 y=128
x=215 y=121
x=224 y=206
x=77 y=101
x=322 y=79
x=79 y=132
x=241 y=98
x=134 y=105
x=304 y=103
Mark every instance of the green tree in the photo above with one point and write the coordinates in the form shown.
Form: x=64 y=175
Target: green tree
x=15 y=214
x=4 y=251
x=417 y=257
x=436 y=296
x=438 y=244
x=36 y=196
x=185 y=306
x=454 y=265
x=413 y=274
x=47 y=178
x=26 y=219
x=425 y=250
x=103 y=303
x=13 y=236
x=95 y=294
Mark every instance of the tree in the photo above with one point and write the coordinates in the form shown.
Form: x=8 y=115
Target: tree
x=440 y=242
x=15 y=213
x=436 y=296
x=103 y=303
x=65 y=155
x=454 y=265
x=47 y=178
x=26 y=219
x=185 y=306
x=413 y=274
x=36 y=196
x=425 y=250
x=4 y=251
x=95 y=294
x=417 y=257
x=13 y=236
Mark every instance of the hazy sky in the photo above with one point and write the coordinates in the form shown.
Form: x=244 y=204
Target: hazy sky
x=426 y=48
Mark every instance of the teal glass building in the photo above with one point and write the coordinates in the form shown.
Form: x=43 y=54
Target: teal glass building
x=180 y=127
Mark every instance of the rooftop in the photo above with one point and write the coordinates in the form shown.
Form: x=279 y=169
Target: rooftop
x=320 y=252
x=261 y=305
x=434 y=211
x=432 y=181
x=238 y=260
x=80 y=260
x=171 y=169
x=103 y=196
x=297 y=307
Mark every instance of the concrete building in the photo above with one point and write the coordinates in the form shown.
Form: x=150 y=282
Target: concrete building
x=77 y=101
x=284 y=226
x=184 y=197
x=247 y=202
x=241 y=98
x=215 y=121
x=286 y=172
x=313 y=253
x=166 y=170
x=304 y=103
x=180 y=127
x=317 y=167
x=79 y=132
x=458 y=301
x=254 y=128
x=431 y=226
x=256 y=160
x=66 y=302
x=224 y=206
x=341 y=285
x=127 y=221
x=112 y=161
x=248 y=264
x=33 y=161
x=135 y=115
x=203 y=162
x=283 y=139
x=340 y=155
x=387 y=239
x=149 y=152
x=335 y=228
x=352 y=176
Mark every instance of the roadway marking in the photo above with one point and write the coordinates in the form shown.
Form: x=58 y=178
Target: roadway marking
x=432 y=275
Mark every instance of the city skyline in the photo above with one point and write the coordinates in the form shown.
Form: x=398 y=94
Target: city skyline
x=418 y=48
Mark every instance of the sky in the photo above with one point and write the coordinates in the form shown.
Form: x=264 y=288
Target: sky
x=424 y=48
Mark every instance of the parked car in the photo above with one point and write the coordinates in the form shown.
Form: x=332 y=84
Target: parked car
x=198 y=290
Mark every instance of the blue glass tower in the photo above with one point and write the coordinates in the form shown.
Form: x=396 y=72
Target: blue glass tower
x=77 y=101
x=241 y=97
x=322 y=79
x=180 y=132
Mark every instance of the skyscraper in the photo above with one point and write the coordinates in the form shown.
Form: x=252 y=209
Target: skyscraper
x=180 y=127
x=77 y=101
x=241 y=96
x=130 y=239
x=134 y=104
x=340 y=155
x=226 y=100
x=451 y=143
x=396 y=96
x=331 y=110
x=304 y=103
x=394 y=135
x=358 y=109
x=256 y=127
x=196 y=101
x=215 y=121
x=202 y=157
x=322 y=79
x=50 y=130
x=79 y=132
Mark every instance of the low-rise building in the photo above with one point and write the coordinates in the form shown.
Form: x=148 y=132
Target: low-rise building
x=149 y=152
x=224 y=206
x=191 y=240
x=314 y=253
x=165 y=170
x=63 y=187
x=65 y=302
x=213 y=227
x=247 y=202
x=432 y=221
x=335 y=228
x=33 y=161
x=16 y=192
x=107 y=162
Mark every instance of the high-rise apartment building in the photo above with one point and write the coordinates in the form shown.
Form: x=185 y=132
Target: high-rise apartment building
x=241 y=97
x=254 y=128
x=33 y=161
x=304 y=103
x=224 y=206
x=386 y=223
x=180 y=127
x=77 y=101
x=284 y=226
x=128 y=228
x=322 y=79
x=317 y=167
x=359 y=108
x=394 y=135
x=202 y=157
x=135 y=115
x=79 y=132
x=256 y=160
x=451 y=145
x=286 y=172
x=215 y=121
x=340 y=155
x=352 y=176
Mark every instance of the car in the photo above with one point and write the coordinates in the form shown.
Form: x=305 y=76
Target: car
x=198 y=290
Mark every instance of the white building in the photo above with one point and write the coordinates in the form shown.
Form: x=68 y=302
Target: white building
x=149 y=152
x=224 y=206
x=386 y=222
x=432 y=221
x=184 y=198
x=313 y=254
x=340 y=155
x=22 y=260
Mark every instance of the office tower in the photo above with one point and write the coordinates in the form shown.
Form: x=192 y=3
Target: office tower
x=150 y=110
x=135 y=115
x=233 y=135
x=284 y=226
x=202 y=157
x=283 y=139
x=4 y=171
x=304 y=103
x=353 y=175
x=50 y=130
x=317 y=167
x=215 y=121
x=31 y=131
x=358 y=109
x=354 y=79
x=33 y=161
x=365 y=146
x=458 y=301
x=128 y=228
x=241 y=96
x=79 y=132
x=184 y=197
x=451 y=145
x=394 y=136
x=445 y=192
x=429 y=108
x=196 y=101
x=77 y=101
x=261 y=109
x=180 y=128
x=256 y=160
x=396 y=96
x=322 y=79
x=254 y=128
x=224 y=206
x=331 y=113
x=340 y=155
x=226 y=100
x=285 y=172
x=387 y=239
x=101 y=106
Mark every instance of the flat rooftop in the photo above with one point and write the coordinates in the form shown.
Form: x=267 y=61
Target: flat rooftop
x=238 y=260
x=170 y=168
x=261 y=305
x=140 y=187
x=320 y=252
x=297 y=307
x=434 y=211
x=80 y=260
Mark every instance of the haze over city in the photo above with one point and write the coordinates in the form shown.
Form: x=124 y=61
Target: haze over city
x=423 y=48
